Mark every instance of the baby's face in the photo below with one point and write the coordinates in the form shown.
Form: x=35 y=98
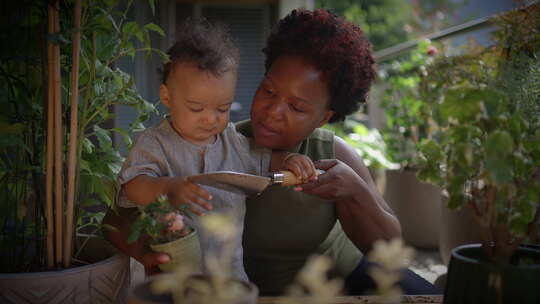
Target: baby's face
x=199 y=101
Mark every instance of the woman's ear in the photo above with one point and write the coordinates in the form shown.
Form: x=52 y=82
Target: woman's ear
x=326 y=117
x=164 y=95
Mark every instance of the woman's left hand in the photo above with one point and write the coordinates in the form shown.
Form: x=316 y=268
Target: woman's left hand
x=339 y=182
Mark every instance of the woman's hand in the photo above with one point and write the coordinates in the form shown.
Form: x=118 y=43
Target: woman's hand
x=339 y=182
x=148 y=258
x=361 y=209
x=116 y=229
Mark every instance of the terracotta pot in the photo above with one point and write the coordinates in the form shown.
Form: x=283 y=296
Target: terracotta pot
x=106 y=281
x=417 y=206
x=143 y=293
x=182 y=251
x=472 y=279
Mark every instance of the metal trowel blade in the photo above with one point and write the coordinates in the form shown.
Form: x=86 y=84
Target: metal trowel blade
x=233 y=181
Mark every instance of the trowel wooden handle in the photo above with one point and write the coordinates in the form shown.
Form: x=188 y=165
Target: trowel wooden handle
x=289 y=179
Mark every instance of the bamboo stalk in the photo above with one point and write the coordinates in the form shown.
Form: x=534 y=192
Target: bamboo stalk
x=58 y=143
x=50 y=126
x=72 y=154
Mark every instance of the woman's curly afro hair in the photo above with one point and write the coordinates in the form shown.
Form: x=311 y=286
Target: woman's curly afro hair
x=336 y=47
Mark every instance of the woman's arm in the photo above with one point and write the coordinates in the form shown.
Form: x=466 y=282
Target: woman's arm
x=361 y=209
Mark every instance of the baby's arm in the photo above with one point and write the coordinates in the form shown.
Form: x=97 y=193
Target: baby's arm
x=145 y=175
x=301 y=165
x=145 y=189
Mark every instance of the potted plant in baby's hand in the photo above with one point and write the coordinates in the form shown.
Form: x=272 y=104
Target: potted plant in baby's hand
x=165 y=226
x=485 y=153
x=216 y=285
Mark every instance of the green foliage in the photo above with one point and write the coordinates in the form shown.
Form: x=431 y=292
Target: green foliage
x=382 y=20
x=407 y=115
x=485 y=145
x=390 y=22
x=368 y=143
x=106 y=36
x=151 y=222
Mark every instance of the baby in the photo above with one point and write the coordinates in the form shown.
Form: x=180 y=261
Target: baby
x=198 y=88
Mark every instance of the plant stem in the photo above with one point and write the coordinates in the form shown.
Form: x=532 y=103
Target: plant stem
x=50 y=156
x=124 y=53
x=58 y=140
x=72 y=153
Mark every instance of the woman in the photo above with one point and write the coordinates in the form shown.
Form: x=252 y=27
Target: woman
x=318 y=69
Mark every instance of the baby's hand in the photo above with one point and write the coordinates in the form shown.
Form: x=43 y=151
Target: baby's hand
x=301 y=165
x=183 y=191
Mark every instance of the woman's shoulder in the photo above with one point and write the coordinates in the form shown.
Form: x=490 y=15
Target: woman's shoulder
x=322 y=134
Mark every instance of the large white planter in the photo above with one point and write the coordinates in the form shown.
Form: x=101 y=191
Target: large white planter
x=102 y=282
x=417 y=205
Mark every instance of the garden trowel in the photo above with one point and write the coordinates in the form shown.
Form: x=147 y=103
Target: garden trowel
x=244 y=183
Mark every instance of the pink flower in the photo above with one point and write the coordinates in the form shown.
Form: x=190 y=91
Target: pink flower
x=432 y=50
x=175 y=221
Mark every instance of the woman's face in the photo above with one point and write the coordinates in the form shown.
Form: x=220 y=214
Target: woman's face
x=290 y=103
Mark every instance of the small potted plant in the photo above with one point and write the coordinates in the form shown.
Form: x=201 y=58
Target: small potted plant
x=485 y=153
x=216 y=285
x=167 y=231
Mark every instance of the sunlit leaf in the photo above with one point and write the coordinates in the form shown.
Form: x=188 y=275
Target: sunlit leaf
x=499 y=143
x=155 y=28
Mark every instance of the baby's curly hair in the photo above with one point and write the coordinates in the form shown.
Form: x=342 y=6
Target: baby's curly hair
x=206 y=43
x=336 y=47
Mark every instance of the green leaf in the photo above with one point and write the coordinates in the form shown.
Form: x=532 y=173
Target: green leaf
x=11 y=129
x=456 y=201
x=493 y=102
x=431 y=150
x=88 y=146
x=124 y=134
x=152 y=4
x=523 y=214
x=88 y=202
x=462 y=104
x=155 y=28
x=135 y=232
x=499 y=144
x=142 y=37
x=499 y=170
x=103 y=137
x=130 y=28
x=85 y=165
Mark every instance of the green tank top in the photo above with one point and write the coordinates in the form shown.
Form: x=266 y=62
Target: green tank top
x=284 y=227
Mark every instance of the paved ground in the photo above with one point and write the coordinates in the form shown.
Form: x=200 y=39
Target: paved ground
x=428 y=264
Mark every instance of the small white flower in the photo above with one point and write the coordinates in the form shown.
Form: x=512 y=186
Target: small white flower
x=219 y=225
x=389 y=258
x=312 y=285
x=391 y=255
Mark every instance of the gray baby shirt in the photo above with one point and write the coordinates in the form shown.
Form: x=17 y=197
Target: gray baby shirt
x=159 y=151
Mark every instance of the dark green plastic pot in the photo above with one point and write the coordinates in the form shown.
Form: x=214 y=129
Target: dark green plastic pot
x=472 y=279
